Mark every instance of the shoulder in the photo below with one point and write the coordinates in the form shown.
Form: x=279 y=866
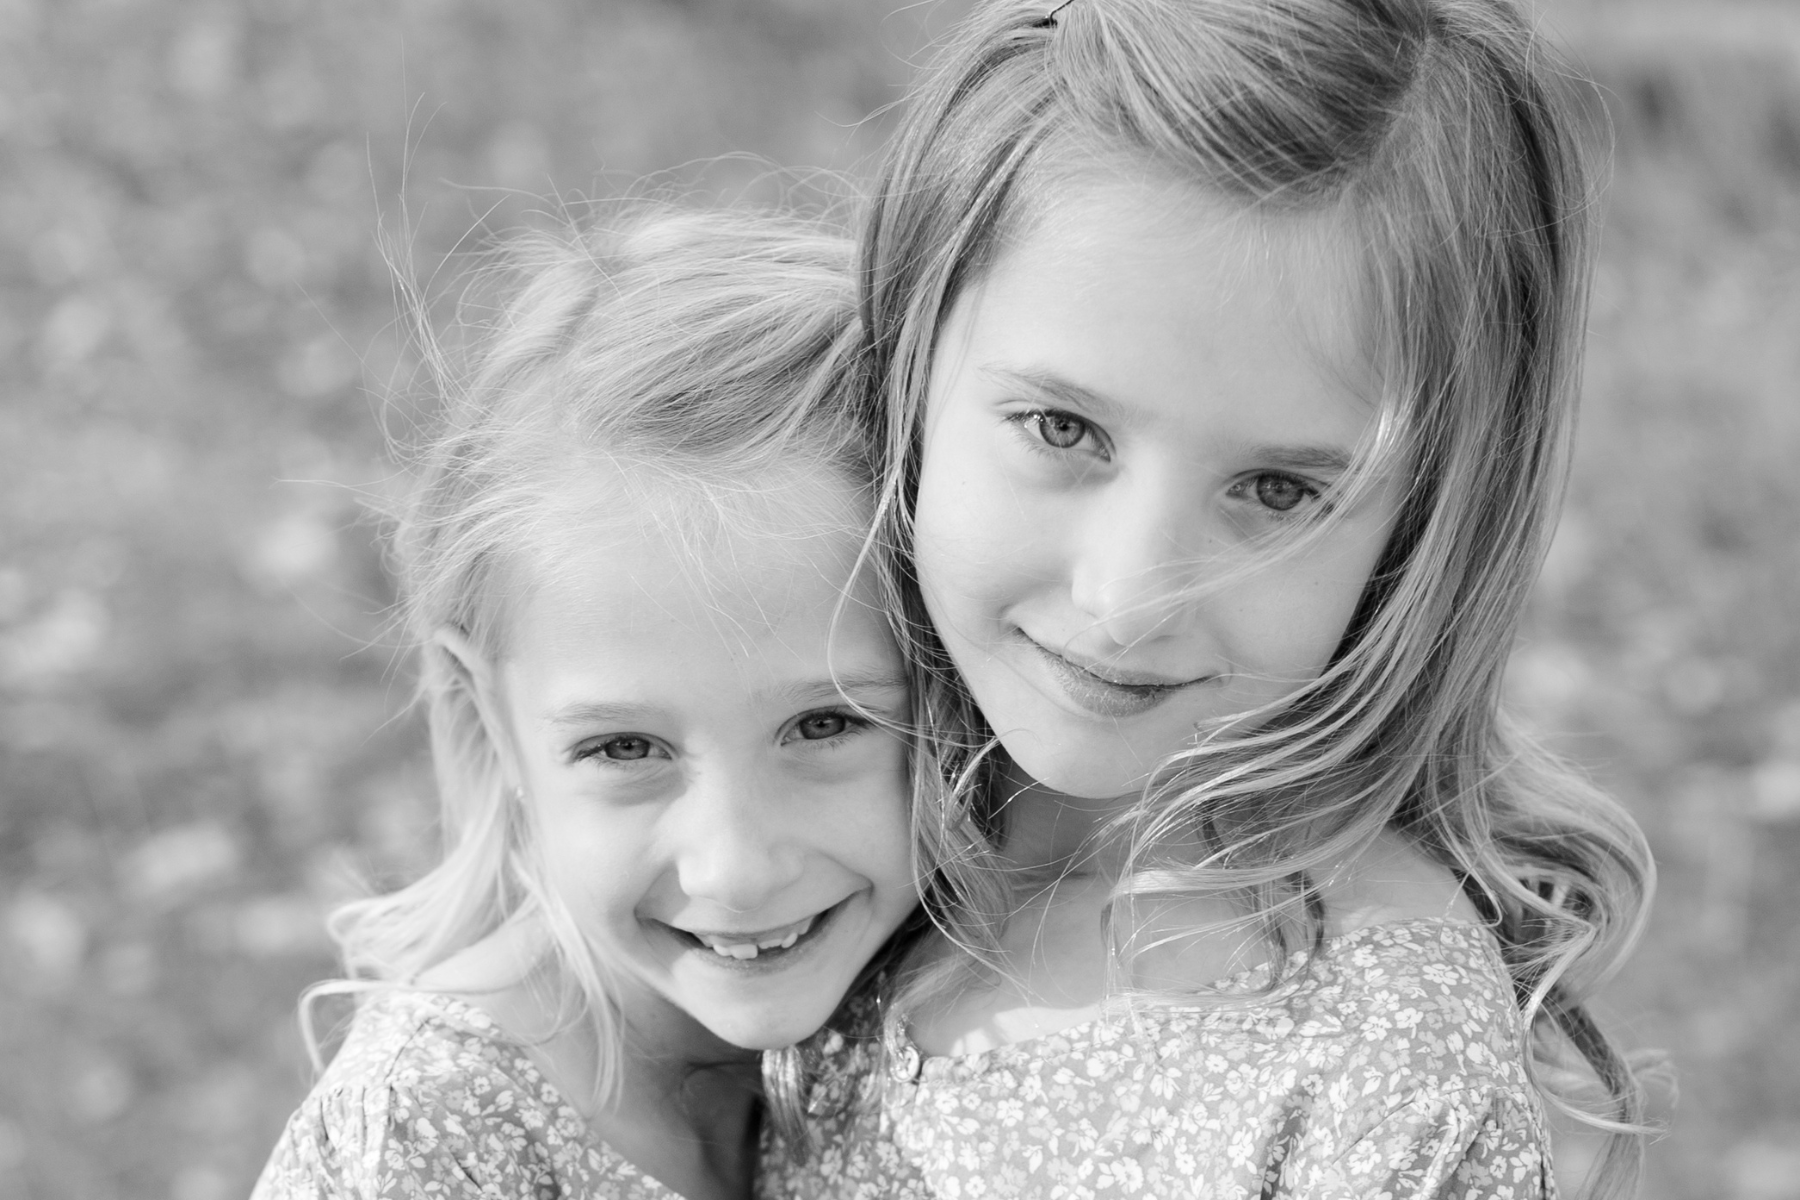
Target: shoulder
x=1433 y=991
x=427 y=1050
x=1420 y=1052
x=1421 y=1069
x=1392 y=881
x=1392 y=1061
x=1418 y=1013
x=1198 y=942
x=425 y=1094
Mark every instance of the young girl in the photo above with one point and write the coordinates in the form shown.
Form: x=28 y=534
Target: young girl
x=1231 y=347
x=660 y=693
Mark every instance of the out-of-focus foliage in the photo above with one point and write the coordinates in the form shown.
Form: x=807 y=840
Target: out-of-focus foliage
x=1666 y=642
x=202 y=743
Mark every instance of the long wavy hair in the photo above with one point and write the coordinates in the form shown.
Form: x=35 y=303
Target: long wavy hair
x=702 y=352
x=1439 y=137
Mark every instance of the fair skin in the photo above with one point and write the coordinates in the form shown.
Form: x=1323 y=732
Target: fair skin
x=683 y=704
x=1126 y=415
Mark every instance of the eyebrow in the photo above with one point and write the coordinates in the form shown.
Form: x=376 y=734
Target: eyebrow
x=1061 y=390
x=851 y=683
x=600 y=713
x=1325 y=459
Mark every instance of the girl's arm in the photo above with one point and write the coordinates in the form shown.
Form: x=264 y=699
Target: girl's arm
x=1462 y=1145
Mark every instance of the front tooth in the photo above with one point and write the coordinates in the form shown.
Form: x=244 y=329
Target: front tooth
x=740 y=950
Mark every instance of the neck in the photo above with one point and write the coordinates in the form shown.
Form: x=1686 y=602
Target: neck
x=1051 y=832
x=686 y=1107
x=685 y=1110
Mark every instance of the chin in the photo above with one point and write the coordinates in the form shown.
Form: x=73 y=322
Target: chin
x=775 y=1033
x=1073 y=768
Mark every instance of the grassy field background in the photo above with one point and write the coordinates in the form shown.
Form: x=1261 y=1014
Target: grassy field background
x=201 y=746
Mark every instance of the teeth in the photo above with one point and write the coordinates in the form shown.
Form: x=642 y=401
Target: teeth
x=781 y=939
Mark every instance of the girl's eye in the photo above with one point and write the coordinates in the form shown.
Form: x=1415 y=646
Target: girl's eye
x=1282 y=493
x=1062 y=430
x=825 y=725
x=629 y=747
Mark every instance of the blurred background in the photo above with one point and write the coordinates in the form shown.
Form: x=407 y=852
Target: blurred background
x=202 y=735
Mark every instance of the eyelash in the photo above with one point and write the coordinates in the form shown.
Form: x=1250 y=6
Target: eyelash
x=595 y=749
x=1030 y=423
x=854 y=723
x=1033 y=419
x=1300 y=510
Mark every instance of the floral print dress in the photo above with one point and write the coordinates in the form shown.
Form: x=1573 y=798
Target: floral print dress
x=1392 y=1067
x=428 y=1097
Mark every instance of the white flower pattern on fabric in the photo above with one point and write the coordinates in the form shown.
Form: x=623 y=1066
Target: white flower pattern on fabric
x=429 y=1098
x=1393 y=1067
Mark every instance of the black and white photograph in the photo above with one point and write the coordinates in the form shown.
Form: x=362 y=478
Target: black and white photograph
x=899 y=599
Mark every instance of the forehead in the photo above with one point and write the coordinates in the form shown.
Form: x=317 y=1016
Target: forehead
x=617 y=549
x=1137 y=217
x=1150 y=284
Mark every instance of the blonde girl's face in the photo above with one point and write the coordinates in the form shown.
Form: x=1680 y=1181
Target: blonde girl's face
x=686 y=700
x=1125 y=416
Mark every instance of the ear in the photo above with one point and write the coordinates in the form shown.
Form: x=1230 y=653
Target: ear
x=479 y=677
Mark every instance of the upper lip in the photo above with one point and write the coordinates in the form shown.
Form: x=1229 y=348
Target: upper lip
x=1116 y=676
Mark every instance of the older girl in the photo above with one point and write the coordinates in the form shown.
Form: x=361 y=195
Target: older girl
x=1231 y=348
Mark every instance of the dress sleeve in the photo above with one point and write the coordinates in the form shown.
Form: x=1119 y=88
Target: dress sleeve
x=456 y=1143
x=1465 y=1145
x=322 y=1149
x=388 y=1143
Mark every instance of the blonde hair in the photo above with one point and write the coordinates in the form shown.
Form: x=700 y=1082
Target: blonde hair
x=707 y=350
x=1438 y=136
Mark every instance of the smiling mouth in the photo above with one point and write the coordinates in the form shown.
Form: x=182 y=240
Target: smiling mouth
x=1104 y=692
x=763 y=944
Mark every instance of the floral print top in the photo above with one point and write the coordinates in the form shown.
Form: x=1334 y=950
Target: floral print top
x=1392 y=1067
x=428 y=1097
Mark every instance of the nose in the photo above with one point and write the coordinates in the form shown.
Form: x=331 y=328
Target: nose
x=1139 y=560
x=734 y=846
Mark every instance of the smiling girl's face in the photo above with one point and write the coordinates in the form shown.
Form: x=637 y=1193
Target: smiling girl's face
x=1124 y=415
x=684 y=697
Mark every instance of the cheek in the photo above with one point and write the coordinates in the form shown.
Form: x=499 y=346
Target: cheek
x=601 y=868
x=949 y=497
x=972 y=538
x=1302 y=620
x=858 y=828
x=871 y=832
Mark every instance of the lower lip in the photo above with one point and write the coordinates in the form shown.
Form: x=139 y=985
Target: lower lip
x=1099 y=696
x=766 y=961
